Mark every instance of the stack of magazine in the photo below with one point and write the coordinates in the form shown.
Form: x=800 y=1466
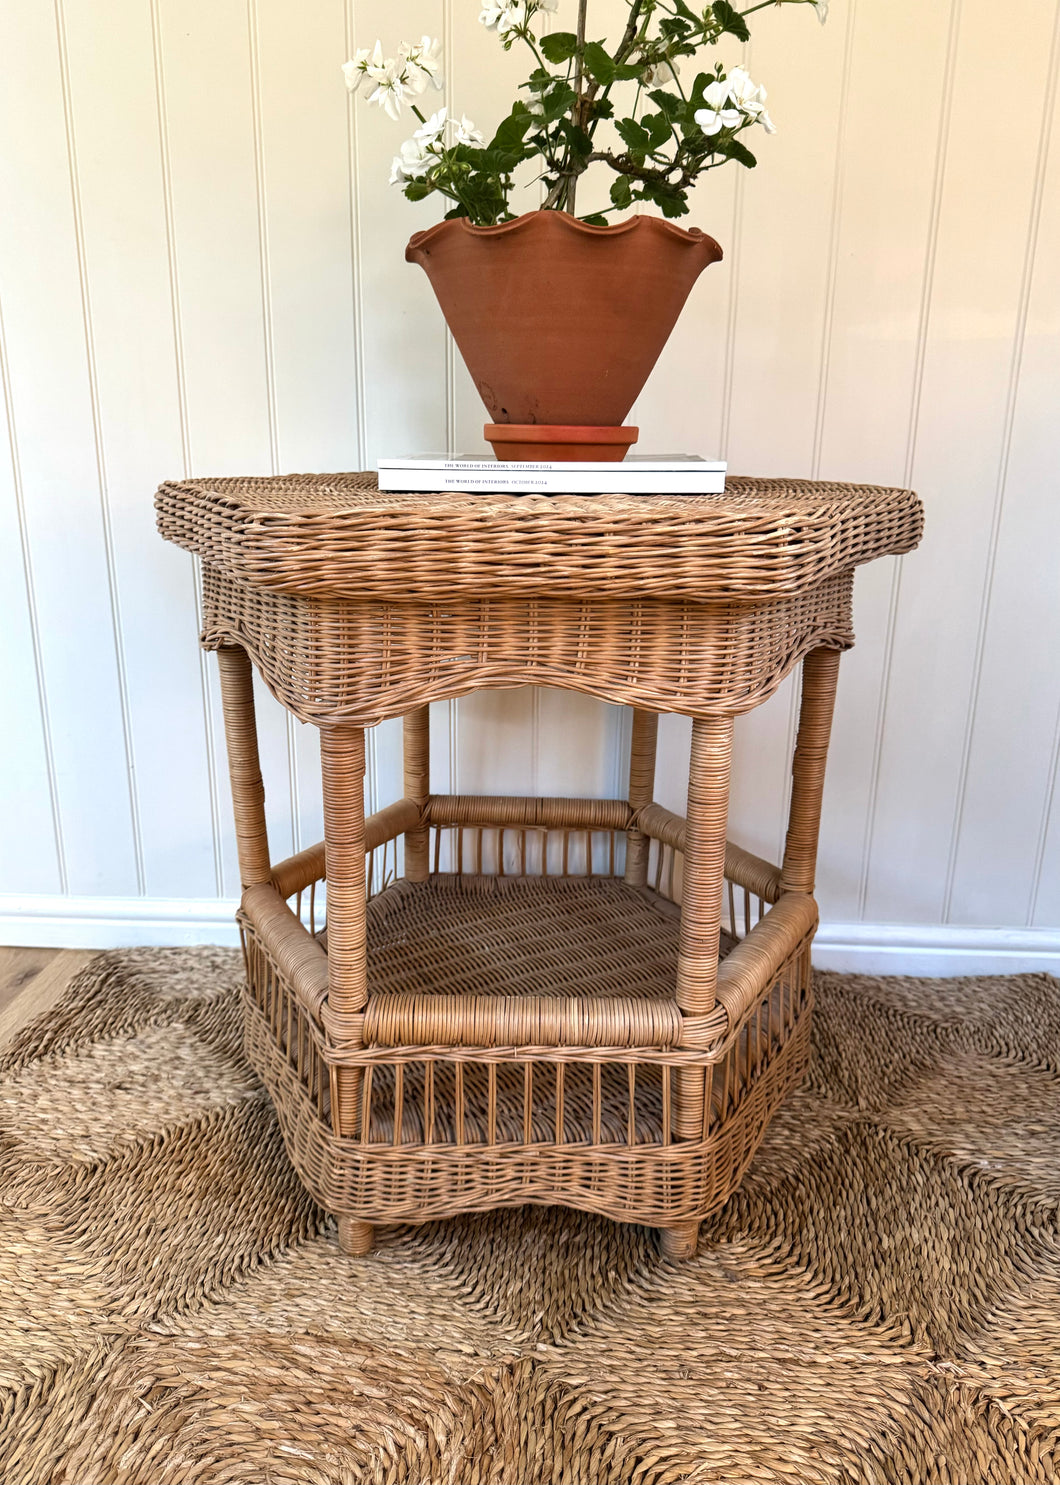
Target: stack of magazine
x=637 y=474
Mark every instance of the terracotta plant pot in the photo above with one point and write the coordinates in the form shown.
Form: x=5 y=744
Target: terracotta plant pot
x=559 y=322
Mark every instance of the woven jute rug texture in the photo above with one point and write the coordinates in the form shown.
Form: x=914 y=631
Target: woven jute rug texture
x=880 y=1301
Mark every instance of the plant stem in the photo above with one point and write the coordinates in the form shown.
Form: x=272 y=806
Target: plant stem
x=576 y=112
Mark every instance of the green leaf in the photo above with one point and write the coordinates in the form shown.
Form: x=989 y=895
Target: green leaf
x=672 y=201
x=457 y=211
x=559 y=46
x=732 y=149
x=577 y=140
x=659 y=129
x=417 y=190
x=622 y=191
x=557 y=102
x=674 y=206
x=689 y=15
x=598 y=63
x=696 y=98
x=674 y=29
x=672 y=106
x=634 y=136
x=730 y=20
x=596 y=220
x=512 y=131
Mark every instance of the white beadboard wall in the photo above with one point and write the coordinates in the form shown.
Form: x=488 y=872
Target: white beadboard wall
x=201 y=272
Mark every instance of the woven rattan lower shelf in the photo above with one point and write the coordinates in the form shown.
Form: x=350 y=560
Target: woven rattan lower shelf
x=520 y=1045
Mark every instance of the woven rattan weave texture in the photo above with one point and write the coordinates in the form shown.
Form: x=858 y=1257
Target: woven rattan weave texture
x=590 y=1002
x=336 y=534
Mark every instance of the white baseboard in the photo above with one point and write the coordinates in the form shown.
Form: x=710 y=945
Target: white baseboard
x=865 y=948
x=935 y=949
x=116 y=922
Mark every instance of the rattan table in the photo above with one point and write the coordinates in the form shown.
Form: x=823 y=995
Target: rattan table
x=591 y=1002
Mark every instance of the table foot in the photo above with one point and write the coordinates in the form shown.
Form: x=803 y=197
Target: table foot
x=355 y=1238
x=679 y=1241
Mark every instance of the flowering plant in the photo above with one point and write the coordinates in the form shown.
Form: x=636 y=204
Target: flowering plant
x=668 y=136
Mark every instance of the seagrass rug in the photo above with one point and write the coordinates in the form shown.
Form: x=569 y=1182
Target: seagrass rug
x=880 y=1301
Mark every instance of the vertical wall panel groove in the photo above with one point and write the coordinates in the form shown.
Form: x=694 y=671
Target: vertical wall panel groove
x=205 y=659
x=353 y=181
x=949 y=74
x=1011 y=394
x=268 y=345
x=1049 y=805
x=731 y=321
x=31 y=603
x=832 y=272
x=117 y=634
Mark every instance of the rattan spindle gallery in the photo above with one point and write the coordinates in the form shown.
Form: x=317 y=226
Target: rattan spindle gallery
x=593 y=1002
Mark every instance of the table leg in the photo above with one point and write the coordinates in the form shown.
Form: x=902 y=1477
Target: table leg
x=820 y=672
x=244 y=767
x=355 y=1237
x=641 y=791
x=342 y=775
x=679 y=1241
x=701 y=898
x=416 y=734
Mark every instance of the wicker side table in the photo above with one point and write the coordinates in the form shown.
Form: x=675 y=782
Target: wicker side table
x=596 y=1003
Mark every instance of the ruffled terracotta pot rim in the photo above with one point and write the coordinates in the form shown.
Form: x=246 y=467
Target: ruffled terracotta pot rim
x=567 y=223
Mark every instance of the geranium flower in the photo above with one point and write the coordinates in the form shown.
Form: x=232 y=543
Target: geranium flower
x=716 y=116
x=500 y=18
x=413 y=160
x=434 y=128
x=746 y=95
x=821 y=6
x=390 y=91
x=466 y=133
x=356 y=71
x=424 y=64
x=657 y=74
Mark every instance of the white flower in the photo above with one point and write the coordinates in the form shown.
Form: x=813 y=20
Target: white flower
x=413 y=161
x=423 y=64
x=424 y=150
x=389 y=92
x=717 y=117
x=368 y=66
x=356 y=70
x=500 y=18
x=821 y=6
x=466 y=133
x=656 y=74
x=746 y=102
x=553 y=5
x=746 y=95
x=387 y=73
x=751 y=98
x=434 y=128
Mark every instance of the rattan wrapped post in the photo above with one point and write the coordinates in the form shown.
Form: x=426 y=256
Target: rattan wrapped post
x=591 y=1002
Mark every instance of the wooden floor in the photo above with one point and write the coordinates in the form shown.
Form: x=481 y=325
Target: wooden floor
x=31 y=980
